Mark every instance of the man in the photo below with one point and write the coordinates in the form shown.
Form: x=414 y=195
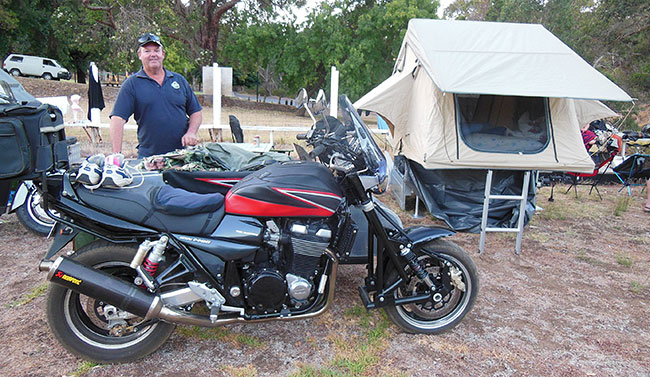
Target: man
x=166 y=110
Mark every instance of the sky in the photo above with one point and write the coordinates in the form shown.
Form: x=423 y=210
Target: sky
x=310 y=4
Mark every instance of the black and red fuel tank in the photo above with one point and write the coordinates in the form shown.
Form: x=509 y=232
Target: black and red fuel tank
x=290 y=189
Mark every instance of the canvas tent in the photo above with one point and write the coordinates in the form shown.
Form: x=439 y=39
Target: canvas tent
x=466 y=88
x=466 y=96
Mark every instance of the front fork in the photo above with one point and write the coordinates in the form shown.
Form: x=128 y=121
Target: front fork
x=399 y=257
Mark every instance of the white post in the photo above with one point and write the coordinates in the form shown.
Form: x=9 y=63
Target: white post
x=334 y=95
x=216 y=96
x=95 y=117
x=95 y=113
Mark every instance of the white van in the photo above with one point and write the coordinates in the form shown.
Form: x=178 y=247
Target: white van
x=26 y=65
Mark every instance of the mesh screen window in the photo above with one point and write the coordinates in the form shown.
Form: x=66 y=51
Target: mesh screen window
x=503 y=124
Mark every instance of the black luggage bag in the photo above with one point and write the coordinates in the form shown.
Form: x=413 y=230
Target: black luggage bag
x=32 y=140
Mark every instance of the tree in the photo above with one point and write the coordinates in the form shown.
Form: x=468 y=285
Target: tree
x=620 y=43
x=196 y=24
x=26 y=27
x=361 y=38
x=78 y=39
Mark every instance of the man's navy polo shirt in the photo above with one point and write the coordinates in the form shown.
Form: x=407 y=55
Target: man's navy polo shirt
x=162 y=112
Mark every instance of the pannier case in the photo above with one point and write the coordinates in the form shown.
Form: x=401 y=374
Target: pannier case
x=32 y=140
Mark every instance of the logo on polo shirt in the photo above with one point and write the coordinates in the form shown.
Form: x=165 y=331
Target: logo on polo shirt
x=176 y=85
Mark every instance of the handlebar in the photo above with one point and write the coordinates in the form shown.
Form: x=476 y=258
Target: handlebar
x=317 y=151
x=301 y=136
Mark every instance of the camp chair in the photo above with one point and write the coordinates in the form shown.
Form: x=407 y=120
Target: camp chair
x=235 y=129
x=603 y=157
x=634 y=167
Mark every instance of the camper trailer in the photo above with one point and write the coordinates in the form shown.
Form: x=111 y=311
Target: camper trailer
x=484 y=95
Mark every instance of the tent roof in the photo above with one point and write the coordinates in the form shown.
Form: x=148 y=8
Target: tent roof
x=503 y=59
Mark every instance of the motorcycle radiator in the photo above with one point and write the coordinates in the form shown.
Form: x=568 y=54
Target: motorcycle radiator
x=308 y=242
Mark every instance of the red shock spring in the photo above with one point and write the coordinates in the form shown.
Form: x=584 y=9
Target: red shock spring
x=150 y=266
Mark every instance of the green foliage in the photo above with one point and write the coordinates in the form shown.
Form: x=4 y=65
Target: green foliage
x=636 y=287
x=622 y=205
x=356 y=356
x=83 y=368
x=78 y=37
x=29 y=297
x=624 y=260
x=360 y=38
x=26 y=27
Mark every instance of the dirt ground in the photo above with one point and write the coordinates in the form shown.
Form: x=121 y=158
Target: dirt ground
x=575 y=302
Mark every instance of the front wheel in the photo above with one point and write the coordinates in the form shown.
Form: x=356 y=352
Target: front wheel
x=95 y=330
x=47 y=76
x=436 y=316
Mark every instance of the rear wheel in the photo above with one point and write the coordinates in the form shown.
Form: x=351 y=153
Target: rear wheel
x=33 y=216
x=82 y=324
x=433 y=317
x=15 y=72
x=47 y=76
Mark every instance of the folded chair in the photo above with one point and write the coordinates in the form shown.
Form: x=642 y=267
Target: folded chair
x=603 y=157
x=634 y=167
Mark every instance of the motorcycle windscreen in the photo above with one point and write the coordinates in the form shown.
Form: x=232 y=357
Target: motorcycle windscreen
x=293 y=189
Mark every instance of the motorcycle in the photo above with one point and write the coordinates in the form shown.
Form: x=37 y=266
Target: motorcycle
x=267 y=250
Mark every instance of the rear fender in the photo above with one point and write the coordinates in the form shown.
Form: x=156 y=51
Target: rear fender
x=21 y=195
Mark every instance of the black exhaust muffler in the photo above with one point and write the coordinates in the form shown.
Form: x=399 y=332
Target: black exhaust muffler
x=102 y=286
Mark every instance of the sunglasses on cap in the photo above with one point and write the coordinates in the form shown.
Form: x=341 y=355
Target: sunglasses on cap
x=149 y=38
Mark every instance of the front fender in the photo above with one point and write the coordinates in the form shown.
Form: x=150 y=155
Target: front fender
x=423 y=234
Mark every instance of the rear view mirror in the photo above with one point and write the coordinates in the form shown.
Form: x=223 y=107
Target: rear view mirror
x=320 y=103
x=302 y=98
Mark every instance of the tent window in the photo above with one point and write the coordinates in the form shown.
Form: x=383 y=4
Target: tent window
x=503 y=124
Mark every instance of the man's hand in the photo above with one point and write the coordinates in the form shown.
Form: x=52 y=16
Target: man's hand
x=194 y=123
x=189 y=139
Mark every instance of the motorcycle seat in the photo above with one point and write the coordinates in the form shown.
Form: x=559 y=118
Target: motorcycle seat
x=153 y=204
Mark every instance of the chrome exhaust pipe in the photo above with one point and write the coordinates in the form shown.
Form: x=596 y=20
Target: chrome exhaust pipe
x=102 y=286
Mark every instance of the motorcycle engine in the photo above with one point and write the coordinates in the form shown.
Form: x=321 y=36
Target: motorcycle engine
x=308 y=242
x=296 y=250
x=265 y=290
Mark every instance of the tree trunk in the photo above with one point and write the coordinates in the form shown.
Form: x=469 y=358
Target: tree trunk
x=81 y=75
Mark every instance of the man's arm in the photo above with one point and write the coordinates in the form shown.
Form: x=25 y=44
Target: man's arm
x=190 y=137
x=117 y=133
